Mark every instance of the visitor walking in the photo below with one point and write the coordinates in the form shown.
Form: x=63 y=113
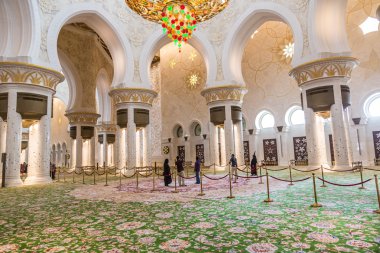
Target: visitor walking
x=167 y=175
x=180 y=171
x=233 y=163
x=254 y=165
x=197 y=169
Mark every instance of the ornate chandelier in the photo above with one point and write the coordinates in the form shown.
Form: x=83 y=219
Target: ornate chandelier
x=178 y=17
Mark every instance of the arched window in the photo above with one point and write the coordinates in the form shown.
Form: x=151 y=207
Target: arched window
x=265 y=119
x=372 y=106
x=197 y=130
x=179 y=132
x=297 y=117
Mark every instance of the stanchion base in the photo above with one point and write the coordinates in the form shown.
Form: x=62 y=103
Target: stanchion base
x=377 y=211
x=201 y=194
x=291 y=184
x=316 y=205
x=154 y=190
x=231 y=197
x=323 y=185
x=175 y=191
x=261 y=183
x=106 y=185
x=268 y=200
x=362 y=188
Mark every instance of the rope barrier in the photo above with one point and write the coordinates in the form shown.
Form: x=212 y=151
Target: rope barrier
x=134 y=174
x=294 y=181
x=186 y=177
x=306 y=170
x=370 y=169
x=339 y=170
x=251 y=176
x=336 y=184
x=219 y=178
x=276 y=170
x=145 y=175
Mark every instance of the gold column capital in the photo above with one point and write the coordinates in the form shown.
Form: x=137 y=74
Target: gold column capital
x=84 y=118
x=133 y=95
x=324 y=68
x=224 y=93
x=26 y=73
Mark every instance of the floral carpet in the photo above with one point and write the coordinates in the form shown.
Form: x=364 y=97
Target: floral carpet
x=51 y=219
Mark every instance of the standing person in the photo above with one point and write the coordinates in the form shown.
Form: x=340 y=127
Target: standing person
x=233 y=163
x=197 y=169
x=53 y=170
x=253 y=165
x=180 y=170
x=167 y=175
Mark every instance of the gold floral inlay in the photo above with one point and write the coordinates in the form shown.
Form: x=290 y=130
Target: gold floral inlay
x=224 y=93
x=133 y=95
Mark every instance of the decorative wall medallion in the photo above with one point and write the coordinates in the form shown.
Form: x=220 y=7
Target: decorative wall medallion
x=25 y=73
x=193 y=80
x=329 y=67
x=166 y=150
x=133 y=95
x=224 y=93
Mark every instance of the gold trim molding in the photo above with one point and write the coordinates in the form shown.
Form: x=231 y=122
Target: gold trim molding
x=85 y=118
x=324 y=68
x=25 y=73
x=224 y=93
x=106 y=128
x=133 y=95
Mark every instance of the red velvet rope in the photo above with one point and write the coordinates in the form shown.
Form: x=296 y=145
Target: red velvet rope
x=275 y=170
x=134 y=174
x=306 y=170
x=339 y=170
x=292 y=181
x=215 y=178
x=245 y=171
x=323 y=180
x=370 y=169
x=251 y=176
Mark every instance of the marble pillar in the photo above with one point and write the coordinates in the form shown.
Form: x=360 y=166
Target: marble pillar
x=105 y=150
x=229 y=134
x=79 y=148
x=239 y=145
x=131 y=134
x=3 y=141
x=92 y=150
x=13 y=142
x=213 y=144
x=339 y=134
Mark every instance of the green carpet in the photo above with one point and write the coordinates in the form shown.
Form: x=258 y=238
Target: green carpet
x=48 y=219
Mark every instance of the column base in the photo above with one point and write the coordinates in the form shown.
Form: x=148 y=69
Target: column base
x=31 y=180
x=342 y=167
x=13 y=182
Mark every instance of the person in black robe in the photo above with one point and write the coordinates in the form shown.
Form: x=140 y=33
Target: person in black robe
x=167 y=175
x=253 y=165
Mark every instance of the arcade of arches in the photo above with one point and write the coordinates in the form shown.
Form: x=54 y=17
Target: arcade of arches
x=87 y=84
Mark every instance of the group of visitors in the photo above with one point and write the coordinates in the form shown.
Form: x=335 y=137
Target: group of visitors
x=180 y=171
x=197 y=169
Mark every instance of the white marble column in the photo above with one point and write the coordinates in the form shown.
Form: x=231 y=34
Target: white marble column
x=13 y=142
x=341 y=150
x=228 y=133
x=3 y=141
x=283 y=159
x=315 y=136
x=92 y=151
x=213 y=143
x=223 y=153
x=239 y=146
x=105 y=150
x=79 y=148
x=131 y=135
x=39 y=151
x=147 y=146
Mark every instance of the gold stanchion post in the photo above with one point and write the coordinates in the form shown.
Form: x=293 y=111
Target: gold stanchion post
x=316 y=204
x=82 y=175
x=290 y=175
x=154 y=181
x=229 y=174
x=74 y=175
x=137 y=178
x=378 y=194
x=323 y=177
x=120 y=180
x=94 y=176
x=247 y=169
x=201 y=193
x=64 y=175
x=361 y=178
x=261 y=178
x=175 y=183
x=106 y=171
x=268 y=200
x=214 y=169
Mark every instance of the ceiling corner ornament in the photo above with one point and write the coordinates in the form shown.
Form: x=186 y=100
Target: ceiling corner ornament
x=26 y=73
x=83 y=118
x=324 y=68
x=178 y=18
x=224 y=93
x=133 y=95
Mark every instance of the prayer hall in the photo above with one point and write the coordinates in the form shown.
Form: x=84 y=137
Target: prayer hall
x=183 y=126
